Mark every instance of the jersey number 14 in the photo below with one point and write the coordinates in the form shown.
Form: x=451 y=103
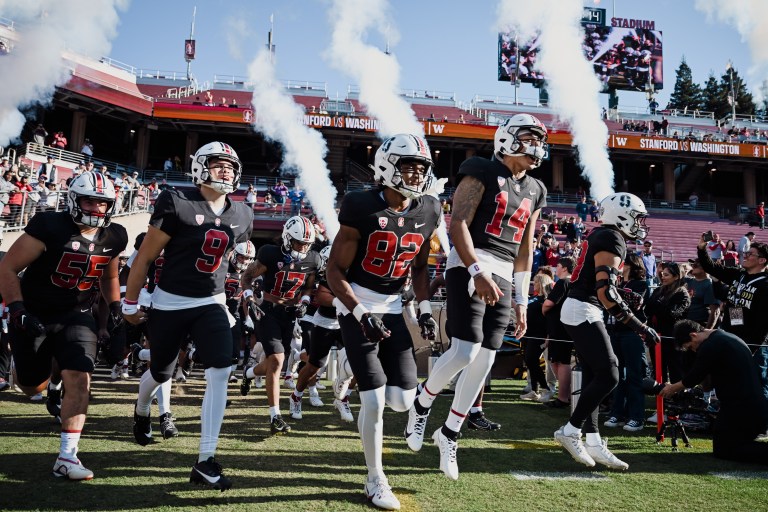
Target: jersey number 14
x=516 y=221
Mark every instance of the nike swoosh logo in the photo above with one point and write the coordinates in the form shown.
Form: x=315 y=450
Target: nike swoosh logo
x=210 y=479
x=106 y=250
x=417 y=225
x=233 y=226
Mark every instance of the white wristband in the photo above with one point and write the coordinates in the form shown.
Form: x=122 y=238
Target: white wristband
x=425 y=307
x=247 y=293
x=522 y=284
x=359 y=311
x=129 y=309
x=306 y=298
x=475 y=269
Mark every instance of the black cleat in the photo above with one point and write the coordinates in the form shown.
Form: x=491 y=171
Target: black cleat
x=142 y=429
x=478 y=421
x=167 y=428
x=53 y=403
x=209 y=473
x=278 y=426
x=245 y=385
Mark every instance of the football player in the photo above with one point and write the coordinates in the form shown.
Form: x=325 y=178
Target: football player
x=196 y=229
x=593 y=290
x=288 y=272
x=384 y=233
x=64 y=254
x=241 y=258
x=495 y=208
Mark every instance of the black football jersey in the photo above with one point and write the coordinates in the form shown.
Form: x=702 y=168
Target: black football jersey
x=505 y=207
x=62 y=278
x=154 y=272
x=389 y=240
x=285 y=277
x=232 y=289
x=583 y=277
x=195 y=263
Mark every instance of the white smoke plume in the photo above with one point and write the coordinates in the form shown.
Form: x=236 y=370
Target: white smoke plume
x=376 y=73
x=278 y=118
x=748 y=18
x=572 y=85
x=30 y=73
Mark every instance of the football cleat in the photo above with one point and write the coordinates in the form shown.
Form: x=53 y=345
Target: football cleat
x=209 y=473
x=53 y=403
x=142 y=429
x=167 y=428
x=278 y=426
x=574 y=445
x=315 y=400
x=289 y=383
x=116 y=370
x=448 y=447
x=72 y=469
x=478 y=421
x=295 y=406
x=380 y=494
x=319 y=386
x=344 y=410
x=414 y=429
x=343 y=377
x=258 y=382
x=602 y=455
x=245 y=386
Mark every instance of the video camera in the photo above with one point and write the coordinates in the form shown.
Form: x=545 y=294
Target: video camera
x=690 y=405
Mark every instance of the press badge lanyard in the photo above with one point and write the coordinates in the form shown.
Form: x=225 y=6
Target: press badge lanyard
x=736 y=313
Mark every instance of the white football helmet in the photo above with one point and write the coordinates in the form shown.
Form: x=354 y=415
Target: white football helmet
x=202 y=176
x=506 y=141
x=395 y=151
x=300 y=229
x=627 y=212
x=94 y=185
x=324 y=253
x=248 y=252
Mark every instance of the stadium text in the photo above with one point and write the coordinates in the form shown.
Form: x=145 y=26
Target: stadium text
x=684 y=145
x=350 y=123
x=628 y=23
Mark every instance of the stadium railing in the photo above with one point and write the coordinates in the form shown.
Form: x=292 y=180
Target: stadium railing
x=32 y=149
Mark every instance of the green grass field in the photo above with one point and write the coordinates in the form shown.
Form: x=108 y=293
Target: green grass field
x=319 y=466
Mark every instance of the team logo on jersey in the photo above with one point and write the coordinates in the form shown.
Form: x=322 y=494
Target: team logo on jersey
x=400 y=221
x=75 y=246
x=91 y=247
x=500 y=181
x=199 y=219
x=279 y=265
x=217 y=222
x=517 y=188
x=383 y=222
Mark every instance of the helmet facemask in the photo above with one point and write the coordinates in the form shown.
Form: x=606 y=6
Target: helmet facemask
x=398 y=181
x=300 y=229
x=399 y=150
x=92 y=185
x=201 y=167
x=220 y=186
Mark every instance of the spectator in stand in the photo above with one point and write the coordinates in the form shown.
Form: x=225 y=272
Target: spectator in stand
x=5 y=165
x=280 y=191
x=168 y=165
x=49 y=170
x=582 y=208
x=731 y=254
x=209 y=99
x=693 y=200
x=250 y=197
x=445 y=206
x=269 y=202
x=594 y=211
x=51 y=197
x=705 y=308
x=33 y=199
x=59 y=141
x=6 y=186
x=18 y=198
x=297 y=200
x=578 y=229
x=224 y=102
x=760 y=211
x=87 y=150
x=649 y=261
x=744 y=245
x=664 y=125
x=152 y=189
x=461 y=119
x=568 y=229
x=177 y=167
x=628 y=397
x=39 y=135
x=668 y=304
x=233 y=104
x=715 y=248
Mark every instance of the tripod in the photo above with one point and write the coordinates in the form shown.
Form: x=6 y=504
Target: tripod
x=677 y=428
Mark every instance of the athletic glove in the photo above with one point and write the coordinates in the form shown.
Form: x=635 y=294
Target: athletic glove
x=650 y=336
x=428 y=326
x=116 y=314
x=23 y=321
x=300 y=309
x=373 y=328
x=258 y=289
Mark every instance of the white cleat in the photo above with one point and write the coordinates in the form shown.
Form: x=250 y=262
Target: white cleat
x=344 y=410
x=115 y=375
x=448 y=464
x=344 y=376
x=295 y=407
x=289 y=383
x=124 y=373
x=380 y=494
x=574 y=446
x=258 y=382
x=315 y=401
x=319 y=386
x=72 y=469
x=603 y=456
x=414 y=429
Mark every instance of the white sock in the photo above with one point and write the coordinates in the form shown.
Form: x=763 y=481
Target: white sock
x=570 y=430
x=164 y=397
x=468 y=386
x=54 y=387
x=593 y=439
x=454 y=360
x=144 y=354
x=147 y=388
x=68 y=444
x=274 y=410
x=249 y=373
x=299 y=394
x=212 y=414
x=455 y=420
x=370 y=424
x=313 y=391
x=475 y=410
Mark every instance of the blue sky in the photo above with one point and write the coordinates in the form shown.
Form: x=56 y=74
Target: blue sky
x=447 y=45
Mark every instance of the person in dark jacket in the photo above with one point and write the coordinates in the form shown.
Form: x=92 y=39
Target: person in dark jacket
x=533 y=341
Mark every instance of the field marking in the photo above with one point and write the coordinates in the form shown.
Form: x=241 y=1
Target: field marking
x=740 y=475
x=555 y=475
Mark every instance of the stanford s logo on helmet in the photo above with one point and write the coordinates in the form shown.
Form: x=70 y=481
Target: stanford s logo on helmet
x=627 y=212
x=92 y=185
x=397 y=150
x=300 y=229
x=200 y=166
x=506 y=141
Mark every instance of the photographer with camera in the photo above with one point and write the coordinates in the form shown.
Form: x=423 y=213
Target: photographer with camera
x=727 y=360
x=747 y=300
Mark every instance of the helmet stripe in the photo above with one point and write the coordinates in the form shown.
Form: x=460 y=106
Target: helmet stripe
x=307 y=227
